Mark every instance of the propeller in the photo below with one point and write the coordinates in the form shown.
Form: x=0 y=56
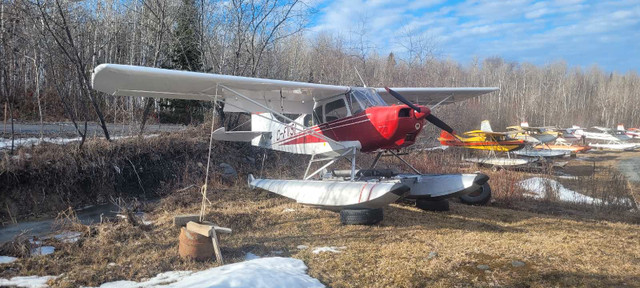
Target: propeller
x=431 y=118
x=402 y=99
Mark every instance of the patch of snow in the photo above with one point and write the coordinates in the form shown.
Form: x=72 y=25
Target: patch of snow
x=7 y=259
x=27 y=281
x=35 y=242
x=160 y=280
x=538 y=187
x=43 y=250
x=441 y=147
x=288 y=210
x=262 y=272
x=5 y=143
x=250 y=256
x=331 y=249
x=68 y=237
x=569 y=177
x=302 y=247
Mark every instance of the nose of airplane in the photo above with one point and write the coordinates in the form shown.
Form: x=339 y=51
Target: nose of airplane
x=424 y=111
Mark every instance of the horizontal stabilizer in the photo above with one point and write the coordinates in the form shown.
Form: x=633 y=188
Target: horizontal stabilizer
x=236 y=136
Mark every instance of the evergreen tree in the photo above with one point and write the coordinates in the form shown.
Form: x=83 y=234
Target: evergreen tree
x=185 y=55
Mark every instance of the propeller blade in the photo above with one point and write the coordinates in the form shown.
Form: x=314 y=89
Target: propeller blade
x=436 y=121
x=433 y=119
x=402 y=99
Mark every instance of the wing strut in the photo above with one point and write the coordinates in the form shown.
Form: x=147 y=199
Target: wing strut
x=331 y=161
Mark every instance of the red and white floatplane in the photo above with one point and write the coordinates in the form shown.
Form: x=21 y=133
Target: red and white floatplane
x=334 y=122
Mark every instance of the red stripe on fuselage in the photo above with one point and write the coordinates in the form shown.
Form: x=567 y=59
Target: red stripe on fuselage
x=320 y=129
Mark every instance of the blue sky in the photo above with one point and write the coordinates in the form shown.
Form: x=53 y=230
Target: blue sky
x=582 y=33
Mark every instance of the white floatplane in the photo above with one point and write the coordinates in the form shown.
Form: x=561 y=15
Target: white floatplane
x=608 y=138
x=335 y=123
x=631 y=132
x=601 y=134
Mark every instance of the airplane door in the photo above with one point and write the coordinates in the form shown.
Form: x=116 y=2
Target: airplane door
x=334 y=110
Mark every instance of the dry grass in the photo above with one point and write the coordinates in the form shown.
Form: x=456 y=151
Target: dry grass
x=55 y=177
x=558 y=251
x=561 y=244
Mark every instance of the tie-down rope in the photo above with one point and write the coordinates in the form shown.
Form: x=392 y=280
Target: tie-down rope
x=203 y=189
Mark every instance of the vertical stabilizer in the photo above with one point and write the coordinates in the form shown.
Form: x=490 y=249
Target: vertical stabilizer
x=620 y=127
x=485 y=126
x=577 y=130
x=524 y=124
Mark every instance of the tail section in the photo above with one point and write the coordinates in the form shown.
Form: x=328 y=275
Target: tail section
x=446 y=135
x=448 y=139
x=577 y=130
x=621 y=127
x=524 y=124
x=485 y=126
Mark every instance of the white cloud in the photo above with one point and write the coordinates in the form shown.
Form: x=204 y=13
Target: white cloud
x=523 y=30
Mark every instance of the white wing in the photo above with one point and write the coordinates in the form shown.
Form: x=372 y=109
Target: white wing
x=432 y=96
x=284 y=96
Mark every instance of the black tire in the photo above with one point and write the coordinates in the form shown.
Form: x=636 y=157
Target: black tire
x=478 y=197
x=433 y=205
x=361 y=216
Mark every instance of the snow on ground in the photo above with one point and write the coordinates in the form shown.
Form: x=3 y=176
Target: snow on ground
x=332 y=249
x=261 y=272
x=441 y=147
x=7 y=259
x=251 y=256
x=68 y=237
x=5 y=143
x=26 y=281
x=43 y=250
x=538 y=187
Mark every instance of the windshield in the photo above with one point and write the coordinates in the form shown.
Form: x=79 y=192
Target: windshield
x=363 y=98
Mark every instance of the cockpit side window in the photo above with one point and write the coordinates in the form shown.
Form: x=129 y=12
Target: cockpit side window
x=335 y=110
x=307 y=121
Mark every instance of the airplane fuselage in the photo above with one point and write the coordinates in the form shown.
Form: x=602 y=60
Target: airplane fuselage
x=375 y=128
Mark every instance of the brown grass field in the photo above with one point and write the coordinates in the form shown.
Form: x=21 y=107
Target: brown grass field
x=573 y=250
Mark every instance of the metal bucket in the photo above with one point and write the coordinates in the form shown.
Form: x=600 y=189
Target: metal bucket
x=195 y=246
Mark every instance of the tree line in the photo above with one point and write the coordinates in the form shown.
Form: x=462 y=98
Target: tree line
x=48 y=49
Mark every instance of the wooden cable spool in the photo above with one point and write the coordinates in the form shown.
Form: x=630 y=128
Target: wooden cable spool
x=195 y=246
